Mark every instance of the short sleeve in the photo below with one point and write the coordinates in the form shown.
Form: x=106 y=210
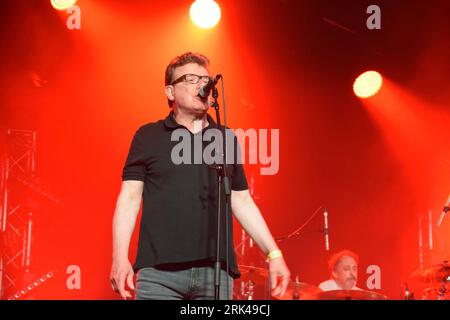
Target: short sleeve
x=239 y=180
x=134 y=168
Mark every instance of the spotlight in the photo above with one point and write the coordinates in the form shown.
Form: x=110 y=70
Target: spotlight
x=62 y=4
x=205 y=13
x=367 y=84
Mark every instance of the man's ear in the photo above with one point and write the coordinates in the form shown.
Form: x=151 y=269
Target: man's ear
x=334 y=274
x=169 y=92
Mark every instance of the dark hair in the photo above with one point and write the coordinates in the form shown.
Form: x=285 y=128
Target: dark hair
x=335 y=258
x=181 y=60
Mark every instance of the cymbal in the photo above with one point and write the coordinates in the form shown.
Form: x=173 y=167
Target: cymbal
x=435 y=273
x=252 y=271
x=299 y=291
x=348 y=295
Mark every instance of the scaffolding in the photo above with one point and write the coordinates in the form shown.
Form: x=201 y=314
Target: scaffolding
x=18 y=165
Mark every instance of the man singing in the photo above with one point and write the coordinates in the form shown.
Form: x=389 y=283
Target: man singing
x=177 y=238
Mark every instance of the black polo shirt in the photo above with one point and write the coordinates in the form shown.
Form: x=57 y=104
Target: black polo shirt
x=179 y=215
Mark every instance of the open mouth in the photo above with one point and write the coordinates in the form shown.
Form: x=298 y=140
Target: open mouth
x=201 y=99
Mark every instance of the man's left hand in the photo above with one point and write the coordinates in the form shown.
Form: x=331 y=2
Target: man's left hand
x=279 y=276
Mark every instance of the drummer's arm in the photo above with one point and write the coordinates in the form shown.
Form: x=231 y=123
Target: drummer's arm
x=251 y=219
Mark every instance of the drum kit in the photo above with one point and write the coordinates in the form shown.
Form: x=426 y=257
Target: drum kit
x=255 y=284
x=436 y=280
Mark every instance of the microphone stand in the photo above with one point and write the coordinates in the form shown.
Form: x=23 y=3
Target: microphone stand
x=222 y=178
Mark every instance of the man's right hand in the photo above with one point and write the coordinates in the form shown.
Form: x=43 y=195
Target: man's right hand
x=122 y=275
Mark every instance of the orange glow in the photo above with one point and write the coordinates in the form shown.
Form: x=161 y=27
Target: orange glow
x=205 y=13
x=387 y=155
x=415 y=131
x=367 y=84
x=62 y=4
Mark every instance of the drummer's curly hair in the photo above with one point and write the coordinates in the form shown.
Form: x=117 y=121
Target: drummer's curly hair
x=335 y=258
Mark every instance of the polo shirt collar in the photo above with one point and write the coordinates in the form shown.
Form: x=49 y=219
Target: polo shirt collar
x=171 y=123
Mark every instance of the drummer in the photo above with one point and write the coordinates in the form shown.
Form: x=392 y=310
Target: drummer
x=343 y=268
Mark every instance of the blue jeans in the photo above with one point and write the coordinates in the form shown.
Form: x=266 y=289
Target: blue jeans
x=196 y=283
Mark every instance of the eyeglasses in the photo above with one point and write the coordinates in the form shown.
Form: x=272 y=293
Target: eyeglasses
x=191 y=78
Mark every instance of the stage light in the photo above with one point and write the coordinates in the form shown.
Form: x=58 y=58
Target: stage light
x=367 y=84
x=205 y=13
x=62 y=4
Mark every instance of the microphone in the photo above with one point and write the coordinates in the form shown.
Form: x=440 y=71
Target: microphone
x=444 y=211
x=206 y=89
x=243 y=238
x=430 y=230
x=325 y=230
